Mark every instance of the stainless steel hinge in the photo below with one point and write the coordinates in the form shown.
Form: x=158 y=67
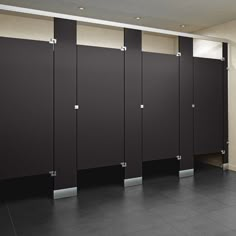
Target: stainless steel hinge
x=76 y=107
x=178 y=157
x=123 y=49
x=52 y=41
x=193 y=105
x=223 y=152
x=178 y=54
x=123 y=164
x=222 y=59
x=53 y=173
x=142 y=106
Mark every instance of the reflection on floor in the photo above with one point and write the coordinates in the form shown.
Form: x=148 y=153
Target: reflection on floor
x=164 y=205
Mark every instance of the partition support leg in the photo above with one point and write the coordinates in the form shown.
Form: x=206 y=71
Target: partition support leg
x=186 y=173
x=133 y=182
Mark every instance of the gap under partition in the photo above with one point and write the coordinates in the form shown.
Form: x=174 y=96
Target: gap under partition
x=160 y=168
x=97 y=177
x=26 y=187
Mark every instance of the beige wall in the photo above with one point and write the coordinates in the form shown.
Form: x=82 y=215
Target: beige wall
x=207 y=49
x=100 y=36
x=159 y=44
x=109 y=37
x=26 y=27
x=228 y=31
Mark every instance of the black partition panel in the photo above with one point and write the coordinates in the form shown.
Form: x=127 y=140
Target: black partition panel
x=26 y=101
x=186 y=101
x=208 y=112
x=65 y=100
x=133 y=100
x=225 y=104
x=100 y=92
x=161 y=106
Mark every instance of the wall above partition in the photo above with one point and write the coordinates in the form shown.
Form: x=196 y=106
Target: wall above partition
x=207 y=49
x=100 y=36
x=26 y=27
x=159 y=43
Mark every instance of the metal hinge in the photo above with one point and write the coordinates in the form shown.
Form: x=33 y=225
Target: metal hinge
x=123 y=49
x=123 y=164
x=227 y=68
x=76 y=107
x=178 y=157
x=142 y=106
x=193 y=105
x=53 y=173
x=223 y=152
x=178 y=54
x=227 y=142
x=222 y=59
x=52 y=41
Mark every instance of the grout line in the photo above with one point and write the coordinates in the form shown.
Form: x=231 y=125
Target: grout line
x=9 y=213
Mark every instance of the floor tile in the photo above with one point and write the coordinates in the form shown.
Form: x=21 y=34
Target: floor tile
x=201 y=205
x=6 y=227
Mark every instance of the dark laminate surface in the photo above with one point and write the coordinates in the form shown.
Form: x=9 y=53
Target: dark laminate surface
x=186 y=101
x=225 y=104
x=161 y=106
x=100 y=119
x=26 y=101
x=208 y=112
x=133 y=100
x=65 y=100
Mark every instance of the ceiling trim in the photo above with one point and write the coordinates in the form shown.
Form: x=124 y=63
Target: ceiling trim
x=106 y=23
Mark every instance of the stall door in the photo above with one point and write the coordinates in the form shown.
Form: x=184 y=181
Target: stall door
x=208 y=112
x=26 y=102
x=100 y=87
x=161 y=106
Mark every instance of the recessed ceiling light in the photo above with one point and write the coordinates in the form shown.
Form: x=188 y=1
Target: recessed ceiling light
x=81 y=8
x=182 y=26
x=138 y=18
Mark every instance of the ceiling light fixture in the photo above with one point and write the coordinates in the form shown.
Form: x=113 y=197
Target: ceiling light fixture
x=138 y=18
x=81 y=8
x=182 y=26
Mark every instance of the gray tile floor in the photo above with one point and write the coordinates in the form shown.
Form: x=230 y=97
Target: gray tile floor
x=164 y=205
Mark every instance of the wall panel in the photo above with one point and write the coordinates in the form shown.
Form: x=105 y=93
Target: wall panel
x=207 y=49
x=98 y=36
x=159 y=43
x=26 y=27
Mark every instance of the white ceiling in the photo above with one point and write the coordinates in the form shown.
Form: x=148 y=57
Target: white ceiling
x=165 y=14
